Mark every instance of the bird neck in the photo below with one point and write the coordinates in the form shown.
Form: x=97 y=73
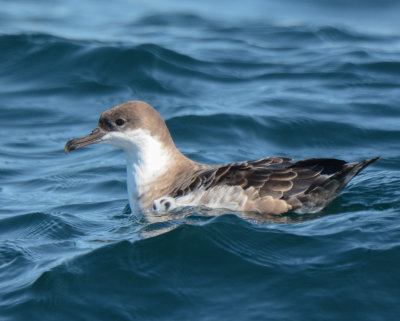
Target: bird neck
x=149 y=161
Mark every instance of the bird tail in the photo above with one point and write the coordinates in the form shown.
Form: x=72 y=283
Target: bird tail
x=323 y=192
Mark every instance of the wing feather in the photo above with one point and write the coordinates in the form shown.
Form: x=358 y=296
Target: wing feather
x=277 y=177
x=276 y=184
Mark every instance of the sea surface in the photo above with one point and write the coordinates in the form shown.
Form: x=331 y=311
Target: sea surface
x=234 y=80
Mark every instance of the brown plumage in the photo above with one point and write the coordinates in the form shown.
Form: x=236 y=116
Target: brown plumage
x=161 y=178
x=310 y=184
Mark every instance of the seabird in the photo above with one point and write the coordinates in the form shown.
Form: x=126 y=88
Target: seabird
x=161 y=178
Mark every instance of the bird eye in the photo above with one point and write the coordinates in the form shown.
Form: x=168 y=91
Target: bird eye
x=119 y=122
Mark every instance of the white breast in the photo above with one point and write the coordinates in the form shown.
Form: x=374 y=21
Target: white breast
x=146 y=158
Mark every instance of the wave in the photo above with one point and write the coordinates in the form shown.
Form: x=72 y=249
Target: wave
x=205 y=262
x=230 y=91
x=33 y=225
x=38 y=61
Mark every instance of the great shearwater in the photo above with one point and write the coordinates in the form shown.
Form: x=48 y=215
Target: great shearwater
x=161 y=178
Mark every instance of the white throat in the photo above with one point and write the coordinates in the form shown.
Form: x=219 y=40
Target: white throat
x=147 y=159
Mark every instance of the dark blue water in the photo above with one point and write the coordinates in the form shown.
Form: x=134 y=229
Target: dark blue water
x=234 y=81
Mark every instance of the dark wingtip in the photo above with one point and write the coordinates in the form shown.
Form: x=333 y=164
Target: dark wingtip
x=354 y=168
x=367 y=162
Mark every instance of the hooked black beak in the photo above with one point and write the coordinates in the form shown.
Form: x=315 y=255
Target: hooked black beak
x=96 y=136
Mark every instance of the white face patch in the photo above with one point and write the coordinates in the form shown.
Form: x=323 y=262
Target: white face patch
x=141 y=148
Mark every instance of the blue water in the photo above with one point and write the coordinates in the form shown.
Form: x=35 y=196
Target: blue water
x=234 y=81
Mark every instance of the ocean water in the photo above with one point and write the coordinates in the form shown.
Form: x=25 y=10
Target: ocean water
x=234 y=81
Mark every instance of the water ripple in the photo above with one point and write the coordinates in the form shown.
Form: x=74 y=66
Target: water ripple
x=231 y=88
